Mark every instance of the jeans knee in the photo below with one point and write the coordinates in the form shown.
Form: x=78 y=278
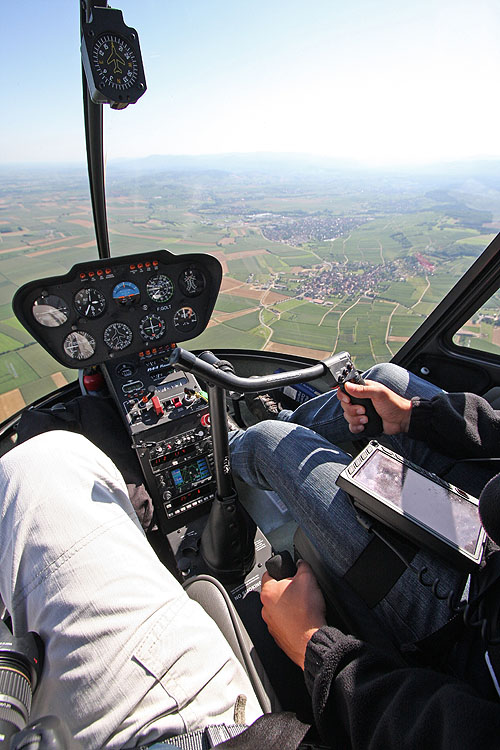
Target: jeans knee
x=265 y=436
x=386 y=373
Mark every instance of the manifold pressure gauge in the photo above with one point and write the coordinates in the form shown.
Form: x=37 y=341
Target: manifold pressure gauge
x=111 y=58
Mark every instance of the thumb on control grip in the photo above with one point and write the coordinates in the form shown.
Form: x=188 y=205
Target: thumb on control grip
x=375 y=425
x=281 y=565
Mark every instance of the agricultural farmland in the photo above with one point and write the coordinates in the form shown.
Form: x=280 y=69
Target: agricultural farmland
x=312 y=264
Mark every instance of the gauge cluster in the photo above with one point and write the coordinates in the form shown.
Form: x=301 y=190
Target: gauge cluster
x=125 y=305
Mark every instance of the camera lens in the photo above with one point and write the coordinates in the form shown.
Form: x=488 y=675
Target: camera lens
x=15 y=696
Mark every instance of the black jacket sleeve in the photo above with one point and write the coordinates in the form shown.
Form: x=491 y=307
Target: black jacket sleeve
x=461 y=425
x=364 y=700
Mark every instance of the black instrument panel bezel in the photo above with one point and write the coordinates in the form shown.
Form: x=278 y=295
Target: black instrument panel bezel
x=145 y=266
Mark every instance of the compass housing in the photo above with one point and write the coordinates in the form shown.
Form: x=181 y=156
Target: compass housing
x=111 y=58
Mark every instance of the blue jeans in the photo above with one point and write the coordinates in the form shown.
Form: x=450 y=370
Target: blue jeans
x=296 y=456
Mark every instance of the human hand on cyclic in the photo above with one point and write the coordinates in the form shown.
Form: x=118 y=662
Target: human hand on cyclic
x=293 y=610
x=394 y=410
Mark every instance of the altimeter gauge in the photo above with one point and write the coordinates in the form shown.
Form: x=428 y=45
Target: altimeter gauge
x=152 y=327
x=90 y=302
x=117 y=336
x=79 y=345
x=185 y=319
x=160 y=288
x=50 y=310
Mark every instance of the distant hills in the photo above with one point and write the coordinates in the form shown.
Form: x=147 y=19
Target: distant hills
x=282 y=165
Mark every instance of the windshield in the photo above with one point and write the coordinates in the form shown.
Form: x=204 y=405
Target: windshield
x=339 y=159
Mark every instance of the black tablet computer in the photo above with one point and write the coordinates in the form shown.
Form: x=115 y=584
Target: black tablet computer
x=416 y=503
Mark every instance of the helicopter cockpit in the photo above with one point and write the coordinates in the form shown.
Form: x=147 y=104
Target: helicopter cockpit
x=217 y=277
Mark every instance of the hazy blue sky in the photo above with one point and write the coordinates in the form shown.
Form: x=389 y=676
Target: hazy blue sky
x=381 y=81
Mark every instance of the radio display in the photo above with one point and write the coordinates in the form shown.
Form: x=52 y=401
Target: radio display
x=196 y=471
x=155 y=462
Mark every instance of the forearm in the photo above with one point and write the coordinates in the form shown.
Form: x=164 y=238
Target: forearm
x=461 y=425
x=363 y=699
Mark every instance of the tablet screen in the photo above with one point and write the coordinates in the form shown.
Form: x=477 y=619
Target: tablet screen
x=443 y=510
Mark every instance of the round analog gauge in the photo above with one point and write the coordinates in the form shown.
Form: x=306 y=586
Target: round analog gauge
x=192 y=282
x=160 y=288
x=50 y=311
x=125 y=369
x=117 y=336
x=79 y=345
x=152 y=327
x=126 y=293
x=90 y=302
x=114 y=62
x=185 y=319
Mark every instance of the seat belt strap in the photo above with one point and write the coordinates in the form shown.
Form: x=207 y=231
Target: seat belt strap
x=279 y=731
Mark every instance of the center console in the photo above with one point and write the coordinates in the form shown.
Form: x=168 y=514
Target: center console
x=167 y=416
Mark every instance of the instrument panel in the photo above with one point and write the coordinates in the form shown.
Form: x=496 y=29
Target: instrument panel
x=104 y=309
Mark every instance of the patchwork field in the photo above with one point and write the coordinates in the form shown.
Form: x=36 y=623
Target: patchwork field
x=336 y=264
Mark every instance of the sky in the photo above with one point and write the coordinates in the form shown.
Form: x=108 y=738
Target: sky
x=380 y=82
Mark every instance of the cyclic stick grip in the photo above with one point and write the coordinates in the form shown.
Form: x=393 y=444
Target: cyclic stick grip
x=342 y=368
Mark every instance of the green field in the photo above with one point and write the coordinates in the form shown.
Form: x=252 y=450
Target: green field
x=229 y=303
x=382 y=250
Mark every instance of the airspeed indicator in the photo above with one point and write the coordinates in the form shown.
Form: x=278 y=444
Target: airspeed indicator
x=160 y=288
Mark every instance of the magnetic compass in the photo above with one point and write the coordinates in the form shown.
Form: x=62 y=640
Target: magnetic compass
x=111 y=59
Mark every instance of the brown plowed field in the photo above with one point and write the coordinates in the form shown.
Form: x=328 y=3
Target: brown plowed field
x=298 y=350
